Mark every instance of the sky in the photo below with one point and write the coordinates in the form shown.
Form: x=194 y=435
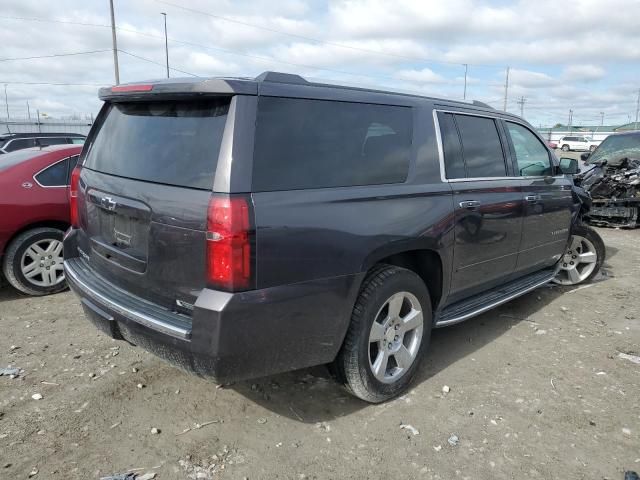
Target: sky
x=563 y=55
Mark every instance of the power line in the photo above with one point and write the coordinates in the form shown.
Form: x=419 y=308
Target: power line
x=53 y=55
x=316 y=40
x=56 y=84
x=156 y=63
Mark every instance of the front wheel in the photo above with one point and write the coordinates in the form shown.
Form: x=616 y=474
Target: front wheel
x=583 y=257
x=388 y=335
x=565 y=148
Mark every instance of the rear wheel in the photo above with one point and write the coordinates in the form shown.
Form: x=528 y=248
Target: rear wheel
x=565 y=148
x=582 y=258
x=388 y=335
x=33 y=262
x=592 y=148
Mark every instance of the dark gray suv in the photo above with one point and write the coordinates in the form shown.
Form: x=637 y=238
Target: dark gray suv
x=244 y=227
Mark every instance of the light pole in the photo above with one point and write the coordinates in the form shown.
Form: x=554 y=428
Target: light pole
x=466 y=69
x=166 y=41
x=6 y=101
x=115 y=44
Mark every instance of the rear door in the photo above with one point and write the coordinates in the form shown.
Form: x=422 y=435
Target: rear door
x=487 y=202
x=548 y=200
x=147 y=177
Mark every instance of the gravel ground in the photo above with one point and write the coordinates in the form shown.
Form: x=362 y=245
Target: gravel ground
x=538 y=389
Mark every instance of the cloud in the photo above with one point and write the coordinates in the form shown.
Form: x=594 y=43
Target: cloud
x=583 y=73
x=426 y=75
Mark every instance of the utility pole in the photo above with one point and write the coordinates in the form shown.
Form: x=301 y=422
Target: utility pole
x=521 y=102
x=39 y=127
x=466 y=69
x=601 y=119
x=6 y=101
x=506 y=90
x=28 y=111
x=166 y=42
x=570 y=119
x=114 y=41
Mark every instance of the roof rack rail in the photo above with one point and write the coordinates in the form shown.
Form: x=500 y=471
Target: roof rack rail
x=478 y=103
x=278 y=77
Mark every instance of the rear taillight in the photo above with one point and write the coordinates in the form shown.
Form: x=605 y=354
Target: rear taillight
x=229 y=243
x=73 y=196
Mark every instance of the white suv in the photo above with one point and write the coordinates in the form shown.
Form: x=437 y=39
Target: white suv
x=577 y=143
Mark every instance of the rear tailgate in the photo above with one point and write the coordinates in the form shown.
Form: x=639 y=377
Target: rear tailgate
x=146 y=180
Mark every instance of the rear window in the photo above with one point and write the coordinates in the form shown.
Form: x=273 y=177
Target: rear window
x=169 y=142
x=304 y=144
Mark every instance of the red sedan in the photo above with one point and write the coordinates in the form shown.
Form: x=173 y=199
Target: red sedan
x=34 y=190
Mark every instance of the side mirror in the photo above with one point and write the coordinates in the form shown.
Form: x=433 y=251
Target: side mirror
x=569 y=166
x=585 y=156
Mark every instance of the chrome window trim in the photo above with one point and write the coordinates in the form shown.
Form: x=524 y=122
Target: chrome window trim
x=443 y=175
x=49 y=166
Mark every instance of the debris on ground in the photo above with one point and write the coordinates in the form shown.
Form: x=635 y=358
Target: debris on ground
x=631 y=358
x=9 y=372
x=446 y=389
x=120 y=476
x=197 y=426
x=33 y=472
x=155 y=431
x=437 y=448
x=262 y=421
x=410 y=428
x=37 y=396
x=629 y=475
x=453 y=440
x=147 y=476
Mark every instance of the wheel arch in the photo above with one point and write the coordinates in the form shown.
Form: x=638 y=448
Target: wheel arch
x=422 y=258
x=60 y=225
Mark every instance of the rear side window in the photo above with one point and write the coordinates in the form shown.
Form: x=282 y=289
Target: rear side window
x=46 y=141
x=304 y=144
x=77 y=141
x=169 y=142
x=483 y=154
x=19 y=144
x=472 y=147
x=55 y=175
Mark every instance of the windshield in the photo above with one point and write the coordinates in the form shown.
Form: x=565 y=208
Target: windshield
x=615 y=148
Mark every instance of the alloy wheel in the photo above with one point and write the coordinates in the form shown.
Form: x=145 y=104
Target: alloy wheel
x=578 y=261
x=395 y=337
x=42 y=263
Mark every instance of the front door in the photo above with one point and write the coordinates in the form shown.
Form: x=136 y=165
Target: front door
x=487 y=201
x=548 y=201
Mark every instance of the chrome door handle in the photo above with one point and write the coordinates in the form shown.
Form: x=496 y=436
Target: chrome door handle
x=532 y=198
x=469 y=204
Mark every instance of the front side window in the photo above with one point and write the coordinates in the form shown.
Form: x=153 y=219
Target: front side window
x=305 y=144
x=531 y=154
x=55 y=175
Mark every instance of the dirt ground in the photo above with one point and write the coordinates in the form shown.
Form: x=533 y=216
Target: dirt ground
x=537 y=390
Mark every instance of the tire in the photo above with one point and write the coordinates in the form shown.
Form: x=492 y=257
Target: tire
x=355 y=362
x=21 y=251
x=565 y=148
x=584 y=243
x=592 y=148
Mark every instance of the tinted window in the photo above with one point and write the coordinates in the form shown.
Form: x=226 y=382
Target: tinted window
x=316 y=144
x=55 y=175
x=20 y=143
x=78 y=141
x=453 y=159
x=481 y=145
x=170 y=142
x=46 y=141
x=531 y=155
